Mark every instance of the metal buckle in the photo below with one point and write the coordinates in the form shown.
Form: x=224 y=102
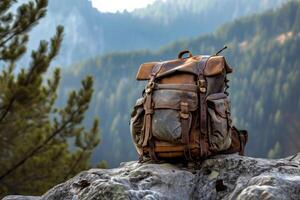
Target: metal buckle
x=202 y=85
x=184 y=110
x=149 y=87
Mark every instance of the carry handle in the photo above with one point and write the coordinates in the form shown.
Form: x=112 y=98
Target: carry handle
x=180 y=55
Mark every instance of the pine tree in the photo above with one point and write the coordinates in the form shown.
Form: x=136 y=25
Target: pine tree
x=35 y=137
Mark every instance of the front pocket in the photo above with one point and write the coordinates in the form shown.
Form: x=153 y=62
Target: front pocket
x=219 y=129
x=171 y=108
x=166 y=125
x=137 y=121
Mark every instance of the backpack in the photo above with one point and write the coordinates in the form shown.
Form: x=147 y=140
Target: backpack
x=184 y=112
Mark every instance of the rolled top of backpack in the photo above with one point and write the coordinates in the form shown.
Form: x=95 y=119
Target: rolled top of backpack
x=215 y=65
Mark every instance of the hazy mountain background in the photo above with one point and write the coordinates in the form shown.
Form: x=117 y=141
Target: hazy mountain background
x=89 y=33
x=263 y=39
x=263 y=51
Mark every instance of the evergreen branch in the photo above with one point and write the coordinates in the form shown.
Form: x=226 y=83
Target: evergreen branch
x=10 y=37
x=8 y=108
x=42 y=62
x=38 y=12
x=87 y=84
x=38 y=148
x=5 y=5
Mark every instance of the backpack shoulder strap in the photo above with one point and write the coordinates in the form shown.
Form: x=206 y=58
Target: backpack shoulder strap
x=203 y=108
x=148 y=106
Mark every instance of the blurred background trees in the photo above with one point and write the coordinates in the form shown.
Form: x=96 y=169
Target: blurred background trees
x=40 y=145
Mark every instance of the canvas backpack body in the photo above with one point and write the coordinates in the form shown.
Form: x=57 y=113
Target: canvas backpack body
x=185 y=110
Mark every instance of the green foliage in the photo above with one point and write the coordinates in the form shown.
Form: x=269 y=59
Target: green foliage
x=263 y=49
x=34 y=135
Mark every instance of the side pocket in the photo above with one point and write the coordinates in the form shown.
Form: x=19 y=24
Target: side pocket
x=238 y=141
x=219 y=127
x=137 y=121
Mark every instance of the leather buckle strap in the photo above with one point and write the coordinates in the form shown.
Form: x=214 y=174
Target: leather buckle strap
x=148 y=106
x=203 y=107
x=185 y=129
x=148 y=119
x=155 y=70
x=184 y=115
x=149 y=111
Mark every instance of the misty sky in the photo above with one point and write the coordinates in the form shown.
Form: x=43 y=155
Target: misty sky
x=120 y=5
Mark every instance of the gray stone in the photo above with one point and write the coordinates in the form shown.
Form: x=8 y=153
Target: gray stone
x=18 y=197
x=220 y=177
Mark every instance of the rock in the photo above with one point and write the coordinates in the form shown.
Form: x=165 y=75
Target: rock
x=18 y=197
x=220 y=177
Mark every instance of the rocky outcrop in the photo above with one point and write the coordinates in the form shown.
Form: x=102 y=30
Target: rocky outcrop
x=220 y=177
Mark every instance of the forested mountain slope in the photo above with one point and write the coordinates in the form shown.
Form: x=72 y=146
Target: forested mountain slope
x=89 y=32
x=264 y=51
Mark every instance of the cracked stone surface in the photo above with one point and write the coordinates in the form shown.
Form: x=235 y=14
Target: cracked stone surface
x=220 y=177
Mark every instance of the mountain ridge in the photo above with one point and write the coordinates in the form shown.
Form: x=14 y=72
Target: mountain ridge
x=89 y=33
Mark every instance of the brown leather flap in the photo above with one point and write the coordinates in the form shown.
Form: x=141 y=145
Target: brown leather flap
x=215 y=65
